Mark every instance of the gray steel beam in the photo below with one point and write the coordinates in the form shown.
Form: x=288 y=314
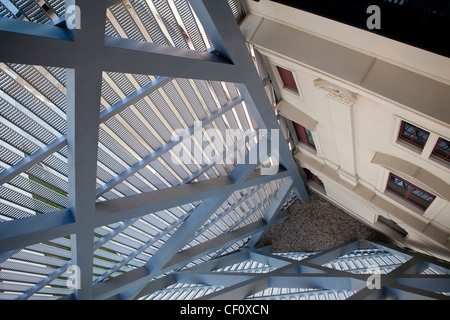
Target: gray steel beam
x=317 y=281
x=83 y=87
x=134 y=97
x=222 y=241
x=240 y=290
x=166 y=148
x=138 y=205
x=226 y=37
x=402 y=292
x=39 y=39
x=33 y=159
x=370 y=294
x=429 y=261
x=213 y=278
x=158 y=284
x=140 y=276
x=17 y=234
x=60 y=142
x=435 y=283
x=222 y=261
x=274 y=208
x=186 y=231
x=331 y=254
x=269 y=259
x=130 y=56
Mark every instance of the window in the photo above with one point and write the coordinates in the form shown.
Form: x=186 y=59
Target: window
x=413 y=135
x=411 y=193
x=304 y=135
x=442 y=149
x=288 y=79
x=392 y=225
x=312 y=177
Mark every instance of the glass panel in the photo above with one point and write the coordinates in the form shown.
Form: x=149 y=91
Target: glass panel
x=414 y=135
x=421 y=198
x=310 y=138
x=288 y=79
x=442 y=149
x=409 y=192
x=398 y=185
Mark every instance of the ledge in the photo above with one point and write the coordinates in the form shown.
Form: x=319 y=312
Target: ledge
x=366 y=71
x=409 y=169
x=428 y=229
x=292 y=113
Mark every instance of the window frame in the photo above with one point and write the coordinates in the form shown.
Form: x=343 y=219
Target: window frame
x=437 y=155
x=312 y=177
x=410 y=141
x=303 y=137
x=283 y=71
x=406 y=197
x=391 y=224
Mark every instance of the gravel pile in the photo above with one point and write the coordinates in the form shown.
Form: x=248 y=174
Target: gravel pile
x=317 y=225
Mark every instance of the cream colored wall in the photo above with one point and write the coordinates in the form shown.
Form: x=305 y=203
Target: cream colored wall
x=356 y=140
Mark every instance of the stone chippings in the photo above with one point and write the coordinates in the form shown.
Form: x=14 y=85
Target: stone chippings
x=317 y=225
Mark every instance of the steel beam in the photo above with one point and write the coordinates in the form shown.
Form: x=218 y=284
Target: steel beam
x=184 y=233
x=226 y=37
x=62 y=223
x=40 y=39
x=164 y=149
x=121 y=209
x=61 y=142
x=134 y=97
x=274 y=208
x=140 y=276
x=19 y=233
x=82 y=52
x=224 y=240
x=33 y=159
x=83 y=87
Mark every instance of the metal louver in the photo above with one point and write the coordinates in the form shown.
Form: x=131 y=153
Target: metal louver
x=135 y=154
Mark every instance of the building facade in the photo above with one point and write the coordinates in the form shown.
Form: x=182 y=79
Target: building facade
x=370 y=119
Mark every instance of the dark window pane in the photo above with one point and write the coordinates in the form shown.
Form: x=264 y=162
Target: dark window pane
x=288 y=79
x=304 y=135
x=409 y=192
x=442 y=149
x=413 y=135
x=310 y=138
x=312 y=177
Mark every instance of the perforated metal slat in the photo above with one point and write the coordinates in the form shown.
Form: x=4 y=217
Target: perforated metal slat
x=32 y=10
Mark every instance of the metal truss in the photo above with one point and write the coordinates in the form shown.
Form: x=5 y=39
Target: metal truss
x=86 y=54
x=258 y=274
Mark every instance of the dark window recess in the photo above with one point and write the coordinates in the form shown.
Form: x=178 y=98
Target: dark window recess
x=393 y=225
x=312 y=177
x=442 y=149
x=304 y=135
x=413 y=135
x=411 y=193
x=288 y=79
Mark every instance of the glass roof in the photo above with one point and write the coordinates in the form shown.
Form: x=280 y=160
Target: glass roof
x=129 y=159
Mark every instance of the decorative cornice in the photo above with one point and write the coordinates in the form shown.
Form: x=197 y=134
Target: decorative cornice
x=335 y=92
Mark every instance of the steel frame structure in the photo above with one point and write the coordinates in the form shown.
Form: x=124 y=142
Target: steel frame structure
x=314 y=272
x=85 y=53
